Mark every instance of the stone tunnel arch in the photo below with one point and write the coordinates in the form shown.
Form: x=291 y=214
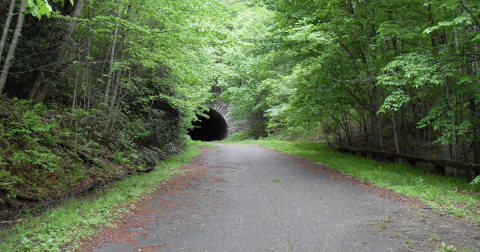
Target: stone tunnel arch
x=219 y=112
x=210 y=129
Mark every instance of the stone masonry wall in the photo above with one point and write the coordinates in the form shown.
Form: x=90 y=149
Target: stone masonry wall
x=224 y=109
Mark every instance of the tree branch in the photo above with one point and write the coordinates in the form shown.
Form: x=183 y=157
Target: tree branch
x=465 y=7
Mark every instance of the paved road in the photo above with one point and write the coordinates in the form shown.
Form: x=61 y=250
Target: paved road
x=234 y=202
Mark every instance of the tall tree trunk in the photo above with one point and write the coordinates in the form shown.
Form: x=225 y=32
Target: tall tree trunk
x=365 y=125
x=415 y=113
x=395 y=137
x=77 y=12
x=405 y=131
x=113 y=101
x=13 y=46
x=459 y=70
x=74 y=101
x=40 y=93
x=36 y=84
x=447 y=149
x=373 y=120
x=6 y=27
x=475 y=58
x=373 y=133
x=112 y=56
x=89 y=55
x=451 y=103
x=429 y=144
x=378 y=118
x=470 y=98
x=120 y=91
x=348 y=131
x=475 y=109
x=464 y=117
x=424 y=113
x=457 y=49
x=476 y=131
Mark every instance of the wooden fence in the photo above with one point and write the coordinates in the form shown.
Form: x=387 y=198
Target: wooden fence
x=439 y=164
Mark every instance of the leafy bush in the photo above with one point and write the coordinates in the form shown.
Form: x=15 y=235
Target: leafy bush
x=7 y=182
x=476 y=181
x=44 y=151
x=36 y=153
x=120 y=157
x=28 y=131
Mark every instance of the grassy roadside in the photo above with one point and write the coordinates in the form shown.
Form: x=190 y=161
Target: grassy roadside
x=445 y=194
x=63 y=226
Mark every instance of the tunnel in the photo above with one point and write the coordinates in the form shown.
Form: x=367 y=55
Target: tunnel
x=209 y=129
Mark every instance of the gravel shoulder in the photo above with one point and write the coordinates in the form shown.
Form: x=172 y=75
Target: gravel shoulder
x=246 y=198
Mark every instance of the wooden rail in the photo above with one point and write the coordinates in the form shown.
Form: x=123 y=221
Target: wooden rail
x=439 y=164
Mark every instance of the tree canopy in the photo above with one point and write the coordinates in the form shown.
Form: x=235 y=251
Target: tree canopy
x=391 y=75
x=395 y=75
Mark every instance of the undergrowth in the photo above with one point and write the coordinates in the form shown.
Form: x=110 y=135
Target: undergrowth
x=50 y=152
x=446 y=194
x=34 y=159
x=61 y=228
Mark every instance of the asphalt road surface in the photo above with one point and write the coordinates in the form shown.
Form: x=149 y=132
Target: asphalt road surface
x=246 y=198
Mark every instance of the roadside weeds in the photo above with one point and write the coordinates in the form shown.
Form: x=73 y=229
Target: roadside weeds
x=62 y=227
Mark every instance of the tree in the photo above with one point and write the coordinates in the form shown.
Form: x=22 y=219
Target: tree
x=36 y=8
x=41 y=88
x=378 y=69
x=6 y=27
x=13 y=45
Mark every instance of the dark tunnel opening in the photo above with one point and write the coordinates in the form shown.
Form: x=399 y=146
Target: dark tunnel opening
x=209 y=129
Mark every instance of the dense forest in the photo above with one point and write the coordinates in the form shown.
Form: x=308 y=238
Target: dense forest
x=400 y=76
x=93 y=89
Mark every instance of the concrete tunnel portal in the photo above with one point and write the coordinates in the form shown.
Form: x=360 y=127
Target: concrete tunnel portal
x=209 y=129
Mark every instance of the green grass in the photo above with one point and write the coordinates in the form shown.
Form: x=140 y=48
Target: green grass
x=442 y=247
x=446 y=194
x=64 y=225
